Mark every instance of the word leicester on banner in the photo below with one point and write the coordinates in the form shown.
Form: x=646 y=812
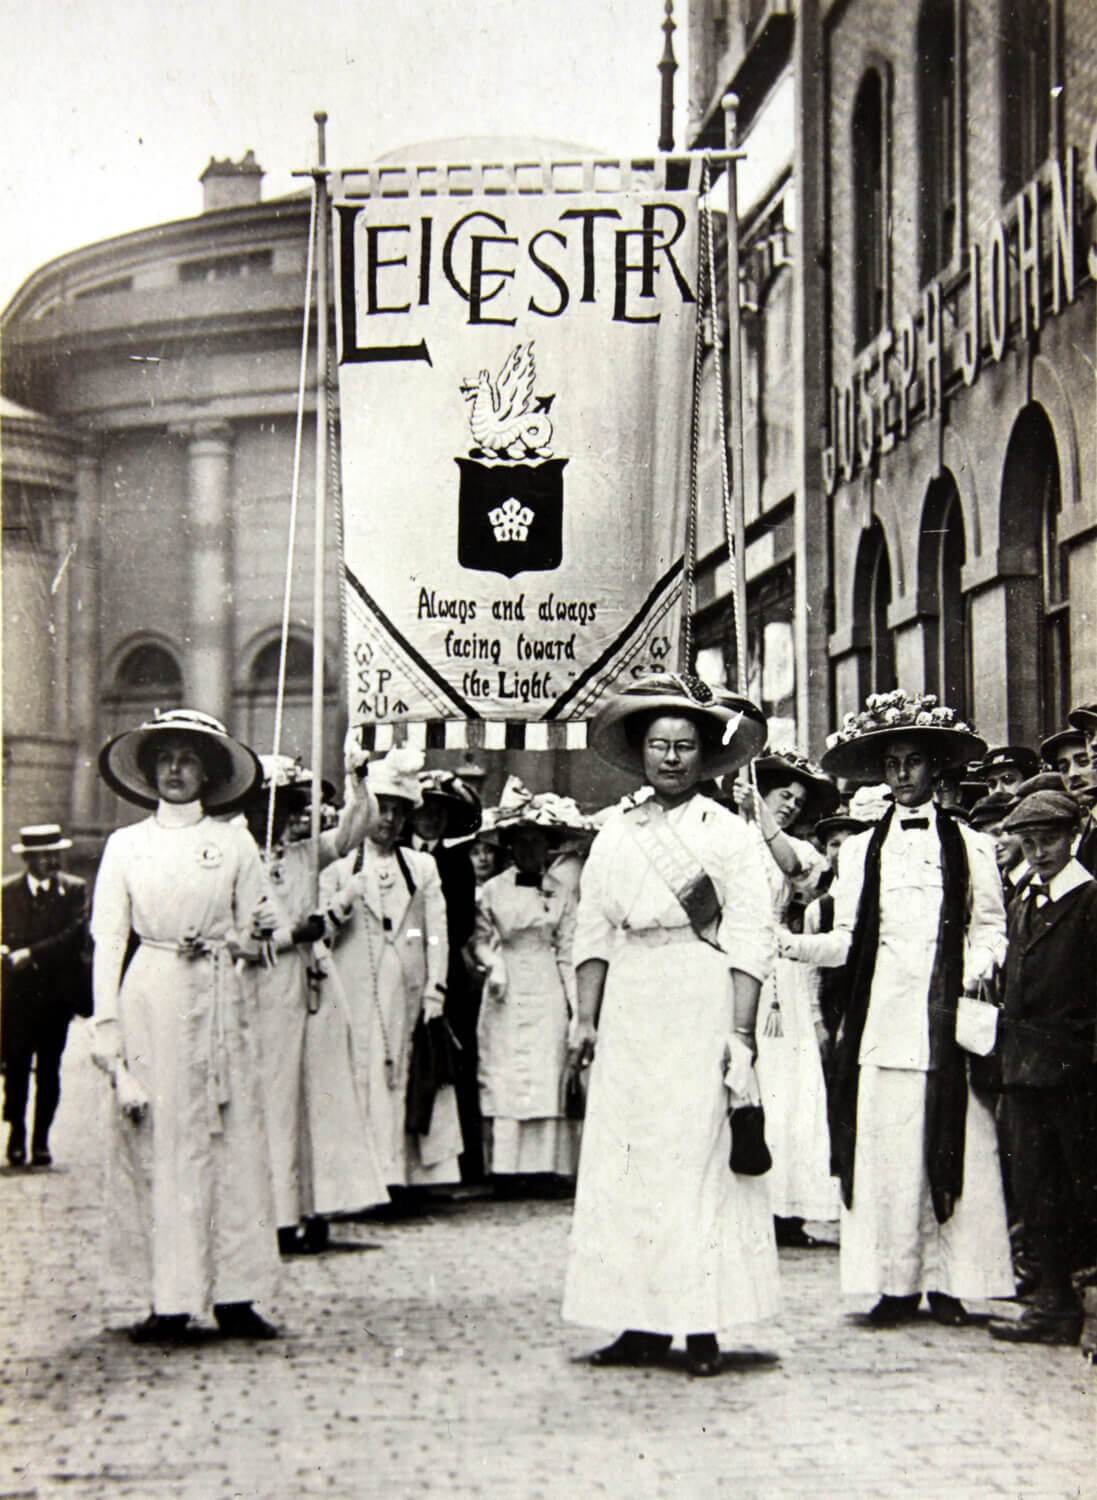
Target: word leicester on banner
x=515 y=398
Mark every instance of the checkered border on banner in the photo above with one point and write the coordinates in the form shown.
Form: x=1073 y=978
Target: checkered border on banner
x=480 y=734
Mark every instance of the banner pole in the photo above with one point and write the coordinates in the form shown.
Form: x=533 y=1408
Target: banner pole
x=730 y=103
x=323 y=231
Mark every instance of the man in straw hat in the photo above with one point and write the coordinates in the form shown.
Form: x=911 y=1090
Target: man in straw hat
x=673 y=941
x=1048 y=1051
x=918 y=920
x=45 y=983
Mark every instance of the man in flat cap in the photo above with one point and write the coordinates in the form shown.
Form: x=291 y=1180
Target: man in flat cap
x=1067 y=752
x=1048 y=1051
x=1005 y=767
x=45 y=983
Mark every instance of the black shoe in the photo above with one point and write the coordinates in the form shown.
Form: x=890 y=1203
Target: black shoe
x=634 y=1347
x=889 y=1312
x=239 y=1320
x=702 y=1354
x=316 y=1234
x=159 y=1328
x=950 y=1312
x=1038 y=1326
x=17 y=1148
x=40 y=1157
x=790 y=1235
x=289 y=1241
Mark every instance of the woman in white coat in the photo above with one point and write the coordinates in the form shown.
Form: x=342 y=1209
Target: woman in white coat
x=673 y=940
x=191 y=1210
x=322 y=1153
x=525 y=922
x=391 y=955
x=790 y=1029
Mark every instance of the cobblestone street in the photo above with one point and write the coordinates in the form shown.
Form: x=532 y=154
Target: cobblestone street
x=428 y=1357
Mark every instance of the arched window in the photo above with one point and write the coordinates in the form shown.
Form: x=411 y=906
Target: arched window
x=1029 y=80
x=149 y=668
x=260 y=695
x=938 y=137
x=1038 y=593
x=872 y=598
x=942 y=556
x=870 y=208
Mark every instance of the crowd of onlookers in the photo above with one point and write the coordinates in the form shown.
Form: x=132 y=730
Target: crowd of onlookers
x=299 y=1030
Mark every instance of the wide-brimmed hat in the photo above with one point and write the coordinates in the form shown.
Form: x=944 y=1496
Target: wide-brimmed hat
x=41 y=838
x=737 y=724
x=870 y=803
x=857 y=749
x=989 y=811
x=461 y=802
x=1043 y=810
x=397 y=774
x=1020 y=757
x=774 y=767
x=520 y=808
x=291 y=781
x=1084 y=717
x=231 y=768
x=1072 y=735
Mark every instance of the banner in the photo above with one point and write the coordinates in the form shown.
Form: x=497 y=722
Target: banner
x=515 y=389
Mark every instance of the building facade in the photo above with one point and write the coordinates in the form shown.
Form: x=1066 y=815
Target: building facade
x=146 y=514
x=944 y=379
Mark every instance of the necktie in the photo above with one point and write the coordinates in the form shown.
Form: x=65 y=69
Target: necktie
x=1038 y=892
x=914 y=823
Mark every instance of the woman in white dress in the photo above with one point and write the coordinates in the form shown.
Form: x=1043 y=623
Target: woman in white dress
x=322 y=1153
x=791 y=1034
x=525 y=921
x=190 y=1206
x=391 y=956
x=673 y=940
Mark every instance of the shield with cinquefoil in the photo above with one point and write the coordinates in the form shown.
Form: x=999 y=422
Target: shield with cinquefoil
x=511 y=517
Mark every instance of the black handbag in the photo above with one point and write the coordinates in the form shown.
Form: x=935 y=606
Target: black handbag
x=575 y=1095
x=749 y=1156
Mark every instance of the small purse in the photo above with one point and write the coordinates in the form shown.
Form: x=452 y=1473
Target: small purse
x=749 y=1155
x=976 y=1025
x=575 y=1094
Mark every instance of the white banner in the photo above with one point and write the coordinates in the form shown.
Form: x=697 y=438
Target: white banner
x=515 y=395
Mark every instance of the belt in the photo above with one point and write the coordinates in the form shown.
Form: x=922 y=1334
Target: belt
x=217 y=1086
x=659 y=937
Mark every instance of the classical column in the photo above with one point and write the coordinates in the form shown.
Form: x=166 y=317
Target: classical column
x=82 y=577
x=207 y=669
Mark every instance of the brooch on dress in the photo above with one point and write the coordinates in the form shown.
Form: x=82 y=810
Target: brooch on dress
x=210 y=856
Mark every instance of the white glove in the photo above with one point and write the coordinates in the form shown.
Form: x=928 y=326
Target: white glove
x=432 y=1007
x=132 y=1099
x=106 y=1045
x=740 y=1078
x=355 y=759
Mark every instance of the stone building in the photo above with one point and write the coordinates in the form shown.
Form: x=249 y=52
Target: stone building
x=945 y=222
x=146 y=516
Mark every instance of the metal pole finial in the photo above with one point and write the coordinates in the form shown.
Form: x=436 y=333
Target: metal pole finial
x=667 y=68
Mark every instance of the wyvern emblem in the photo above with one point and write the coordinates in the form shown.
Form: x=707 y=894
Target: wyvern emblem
x=512 y=488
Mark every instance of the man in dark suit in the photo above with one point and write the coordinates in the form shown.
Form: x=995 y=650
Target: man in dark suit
x=1048 y=1052
x=45 y=983
x=1068 y=753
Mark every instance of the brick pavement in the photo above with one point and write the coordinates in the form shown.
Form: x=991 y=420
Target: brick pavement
x=428 y=1358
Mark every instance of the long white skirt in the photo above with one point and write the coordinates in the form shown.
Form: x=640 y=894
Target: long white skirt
x=790 y=1074
x=891 y=1242
x=664 y=1236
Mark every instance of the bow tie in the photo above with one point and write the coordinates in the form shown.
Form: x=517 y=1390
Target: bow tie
x=1038 y=893
x=914 y=823
x=521 y=878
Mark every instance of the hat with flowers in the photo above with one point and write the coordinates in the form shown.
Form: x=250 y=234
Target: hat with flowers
x=857 y=749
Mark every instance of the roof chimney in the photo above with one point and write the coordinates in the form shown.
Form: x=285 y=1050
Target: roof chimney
x=231 y=184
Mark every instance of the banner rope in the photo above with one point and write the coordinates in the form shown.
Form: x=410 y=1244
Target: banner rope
x=295 y=490
x=689 y=560
x=725 y=478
